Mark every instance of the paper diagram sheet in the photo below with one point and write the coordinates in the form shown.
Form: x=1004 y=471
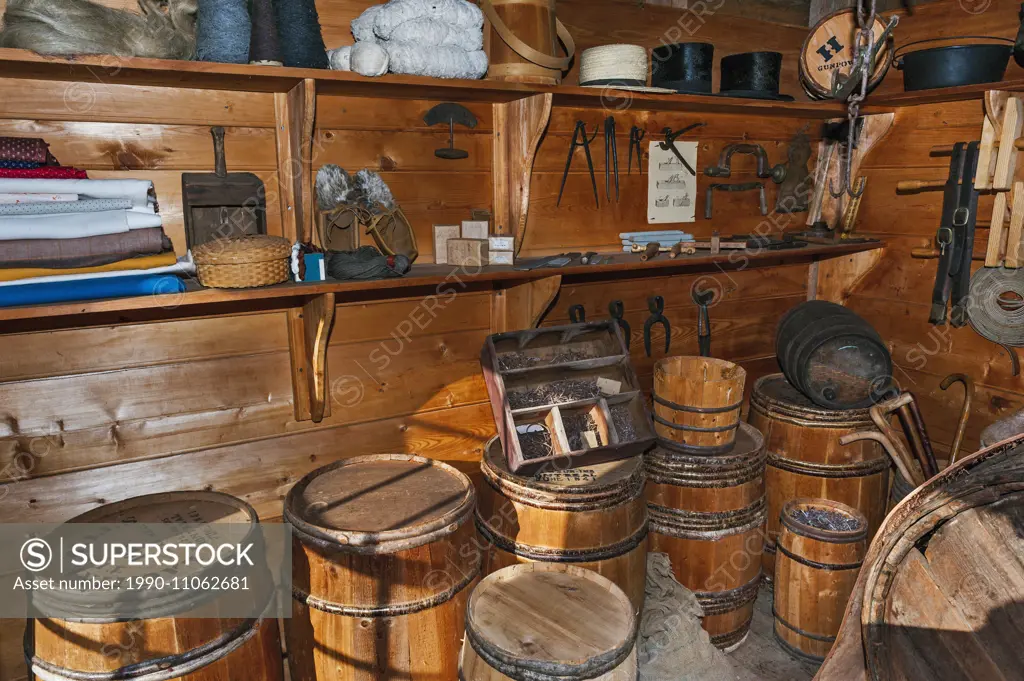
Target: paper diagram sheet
x=671 y=188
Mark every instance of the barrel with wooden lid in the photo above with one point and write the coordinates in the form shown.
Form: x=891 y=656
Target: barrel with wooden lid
x=820 y=552
x=547 y=622
x=185 y=639
x=708 y=513
x=805 y=459
x=383 y=558
x=828 y=50
x=697 y=403
x=593 y=517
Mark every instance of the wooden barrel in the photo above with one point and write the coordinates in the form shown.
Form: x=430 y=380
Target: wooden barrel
x=805 y=459
x=182 y=646
x=833 y=356
x=697 y=403
x=708 y=513
x=523 y=44
x=828 y=50
x=592 y=517
x=546 y=622
x=383 y=558
x=821 y=549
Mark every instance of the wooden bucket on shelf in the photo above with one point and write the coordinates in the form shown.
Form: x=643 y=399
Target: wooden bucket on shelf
x=697 y=403
x=201 y=649
x=592 y=517
x=829 y=50
x=815 y=573
x=707 y=513
x=384 y=556
x=805 y=459
x=544 y=622
x=523 y=44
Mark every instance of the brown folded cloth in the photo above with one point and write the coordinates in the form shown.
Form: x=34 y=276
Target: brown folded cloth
x=90 y=251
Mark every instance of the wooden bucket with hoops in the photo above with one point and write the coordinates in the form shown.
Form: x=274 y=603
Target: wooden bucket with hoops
x=523 y=45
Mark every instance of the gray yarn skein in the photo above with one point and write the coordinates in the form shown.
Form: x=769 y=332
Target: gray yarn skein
x=223 y=31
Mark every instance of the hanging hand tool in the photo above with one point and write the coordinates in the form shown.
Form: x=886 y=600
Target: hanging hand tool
x=702 y=300
x=670 y=144
x=965 y=413
x=955 y=236
x=611 y=158
x=636 y=135
x=450 y=113
x=736 y=187
x=724 y=168
x=656 y=304
x=577 y=314
x=580 y=139
x=795 y=191
x=617 y=310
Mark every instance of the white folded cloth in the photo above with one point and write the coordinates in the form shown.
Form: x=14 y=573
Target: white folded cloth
x=137 y=190
x=62 y=207
x=75 y=225
x=37 y=198
x=184 y=267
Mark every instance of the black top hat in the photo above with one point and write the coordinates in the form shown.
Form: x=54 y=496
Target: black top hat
x=683 y=67
x=754 y=75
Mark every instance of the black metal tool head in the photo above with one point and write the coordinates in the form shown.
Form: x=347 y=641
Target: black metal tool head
x=451 y=114
x=577 y=314
x=617 y=310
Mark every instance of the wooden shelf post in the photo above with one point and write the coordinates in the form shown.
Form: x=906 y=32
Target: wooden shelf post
x=295 y=113
x=309 y=332
x=518 y=127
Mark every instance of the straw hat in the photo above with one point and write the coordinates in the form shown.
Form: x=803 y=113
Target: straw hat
x=623 y=67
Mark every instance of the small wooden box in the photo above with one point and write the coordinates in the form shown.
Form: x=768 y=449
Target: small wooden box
x=442 y=235
x=565 y=396
x=475 y=229
x=467 y=252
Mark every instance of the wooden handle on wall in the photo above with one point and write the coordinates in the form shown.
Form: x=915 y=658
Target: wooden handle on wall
x=918 y=185
x=947 y=149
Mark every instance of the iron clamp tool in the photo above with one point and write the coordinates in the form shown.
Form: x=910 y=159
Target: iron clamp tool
x=670 y=144
x=656 y=304
x=765 y=170
x=580 y=139
x=617 y=310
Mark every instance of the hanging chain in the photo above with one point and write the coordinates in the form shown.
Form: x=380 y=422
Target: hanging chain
x=863 y=59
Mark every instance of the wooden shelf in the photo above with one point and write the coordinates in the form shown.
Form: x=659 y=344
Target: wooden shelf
x=940 y=95
x=422 y=279
x=249 y=78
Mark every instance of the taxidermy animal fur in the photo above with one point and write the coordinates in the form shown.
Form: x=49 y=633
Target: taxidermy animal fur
x=165 y=29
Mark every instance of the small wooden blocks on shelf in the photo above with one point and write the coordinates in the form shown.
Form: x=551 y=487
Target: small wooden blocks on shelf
x=565 y=396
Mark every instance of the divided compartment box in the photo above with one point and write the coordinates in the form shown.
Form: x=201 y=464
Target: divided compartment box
x=565 y=396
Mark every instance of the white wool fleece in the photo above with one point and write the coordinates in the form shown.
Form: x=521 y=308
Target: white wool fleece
x=437 y=62
x=431 y=32
x=459 y=13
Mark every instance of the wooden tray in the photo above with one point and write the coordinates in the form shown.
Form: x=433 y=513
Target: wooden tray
x=565 y=396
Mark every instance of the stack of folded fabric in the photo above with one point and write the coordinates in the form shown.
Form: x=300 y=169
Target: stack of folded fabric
x=27 y=157
x=80 y=239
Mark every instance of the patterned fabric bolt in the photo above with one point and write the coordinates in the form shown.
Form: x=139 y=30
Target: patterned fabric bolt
x=29 y=149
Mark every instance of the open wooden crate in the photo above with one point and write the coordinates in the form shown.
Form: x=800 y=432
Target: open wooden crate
x=565 y=394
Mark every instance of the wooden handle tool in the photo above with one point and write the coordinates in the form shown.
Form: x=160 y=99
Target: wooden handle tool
x=919 y=185
x=681 y=249
x=651 y=251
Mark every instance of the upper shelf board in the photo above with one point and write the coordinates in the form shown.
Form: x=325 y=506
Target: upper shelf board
x=250 y=78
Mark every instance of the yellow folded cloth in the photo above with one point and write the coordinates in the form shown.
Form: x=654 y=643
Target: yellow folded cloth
x=143 y=263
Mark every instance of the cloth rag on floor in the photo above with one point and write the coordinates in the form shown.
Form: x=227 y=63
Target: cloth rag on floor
x=184 y=267
x=61 y=207
x=75 y=225
x=94 y=289
x=87 y=252
x=44 y=173
x=145 y=262
x=137 y=190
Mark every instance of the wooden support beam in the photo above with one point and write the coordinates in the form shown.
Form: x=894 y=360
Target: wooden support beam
x=523 y=306
x=1006 y=156
x=838 y=277
x=518 y=128
x=309 y=332
x=295 y=113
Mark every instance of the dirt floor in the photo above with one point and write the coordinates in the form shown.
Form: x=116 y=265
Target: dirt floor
x=762 y=656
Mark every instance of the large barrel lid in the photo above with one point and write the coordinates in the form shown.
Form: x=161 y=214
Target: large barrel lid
x=551 y=620
x=601 y=483
x=173 y=507
x=380 y=504
x=774 y=396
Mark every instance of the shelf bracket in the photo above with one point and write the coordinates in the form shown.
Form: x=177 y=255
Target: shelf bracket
x=518 y=128
x=295 y=114
x=523 y=306
x=309 y=332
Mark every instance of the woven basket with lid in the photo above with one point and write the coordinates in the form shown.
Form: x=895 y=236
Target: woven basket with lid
x=243 y=262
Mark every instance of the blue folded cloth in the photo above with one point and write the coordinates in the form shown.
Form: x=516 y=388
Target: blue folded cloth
x=90 y=289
